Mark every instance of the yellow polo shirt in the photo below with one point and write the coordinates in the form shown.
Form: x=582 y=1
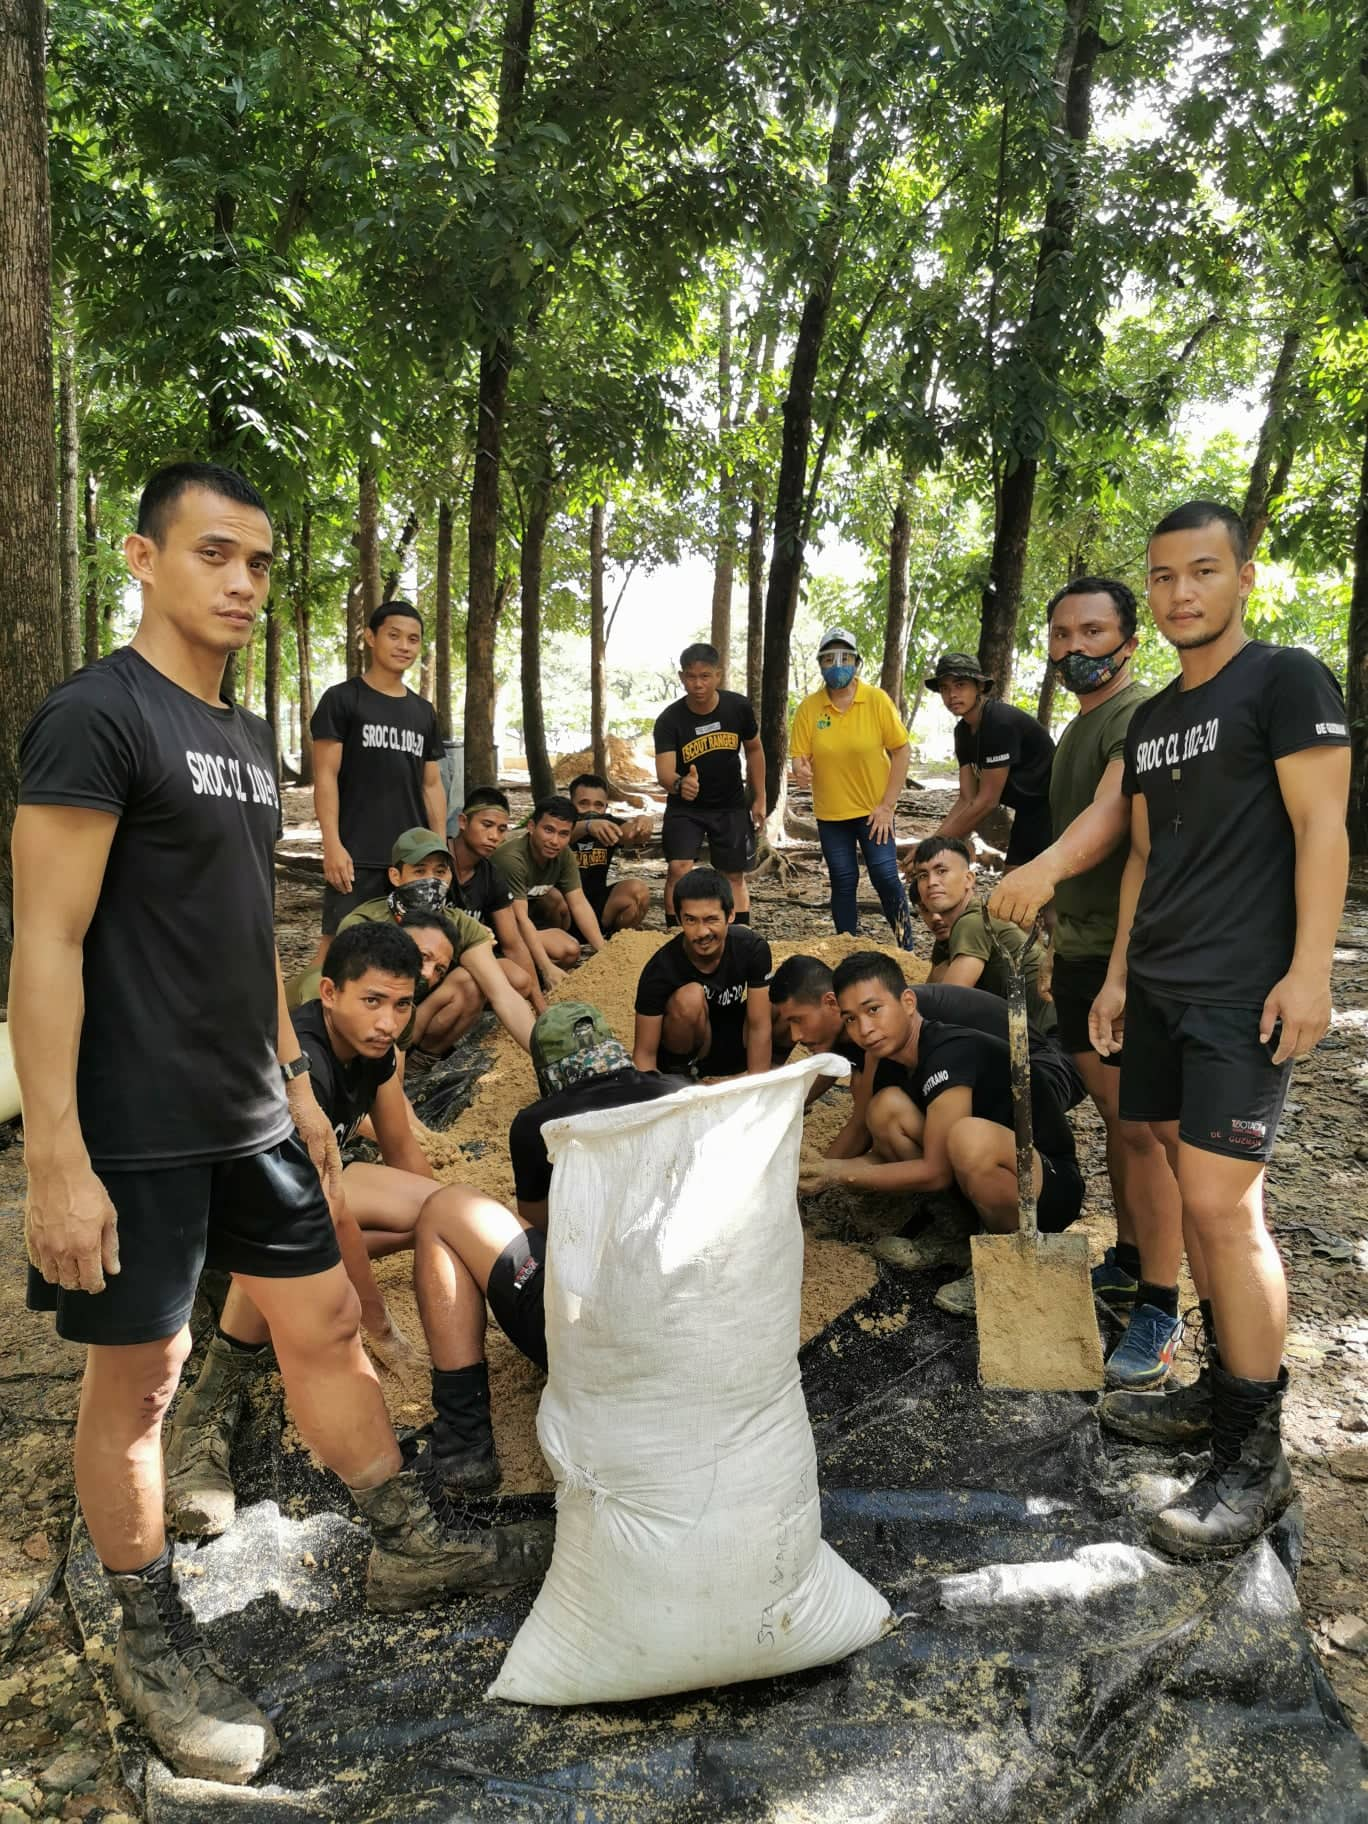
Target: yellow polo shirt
x=849 y=749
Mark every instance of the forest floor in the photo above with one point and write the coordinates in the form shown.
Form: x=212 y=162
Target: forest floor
x=55 y=1754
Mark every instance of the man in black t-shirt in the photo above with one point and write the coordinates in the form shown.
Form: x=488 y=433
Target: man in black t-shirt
x=941 y=1112
x=471 y=1249
x=594 y=841
x=1238 y=776
x=699 y=741
x=478 y=887
x=1004 y=757
x=348 y=1036
x=702 y=1002
x=376 y=748
x=146 y=1159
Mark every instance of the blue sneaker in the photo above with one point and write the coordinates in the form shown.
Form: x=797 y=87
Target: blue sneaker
x=1145 y=1353
x=1113 y=1285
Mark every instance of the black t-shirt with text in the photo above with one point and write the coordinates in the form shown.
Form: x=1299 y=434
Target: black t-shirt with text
x=527 y=1149
x=1007 y=736
x=952 y=1057
x=386 y=744
x=176 y=1064
x=595 y=861
x=345 y=1092
x=710 y=743
x=746 y=963
x=484 y=894
x=1217 y=916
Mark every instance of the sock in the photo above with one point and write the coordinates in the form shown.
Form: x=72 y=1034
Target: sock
x=241 y=1348
x=158 y=1571
x=460 y=1398
x=1208 y=1322
x=1163 y=1298
x=741 y=918
x=1128 y=1258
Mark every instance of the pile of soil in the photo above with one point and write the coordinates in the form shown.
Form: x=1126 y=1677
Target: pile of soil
x=625 y=762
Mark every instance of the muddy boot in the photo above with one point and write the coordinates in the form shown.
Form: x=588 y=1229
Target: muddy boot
x=422 y=1554
x=199 y=1486
x=942 y=1242
x=462 y=1439
x=203 y=1727
x=1179 y=1416
x=1248 y=1483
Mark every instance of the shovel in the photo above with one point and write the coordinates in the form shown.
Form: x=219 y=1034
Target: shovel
x=1037 y=1328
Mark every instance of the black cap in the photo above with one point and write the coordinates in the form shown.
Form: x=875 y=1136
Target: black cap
x=957 y=665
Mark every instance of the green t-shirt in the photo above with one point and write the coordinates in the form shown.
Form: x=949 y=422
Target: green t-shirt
x=968 y=938
x=525 y=876
x=1086 y=905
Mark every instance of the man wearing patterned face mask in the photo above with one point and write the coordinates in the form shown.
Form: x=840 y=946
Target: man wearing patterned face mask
x=1092 y=639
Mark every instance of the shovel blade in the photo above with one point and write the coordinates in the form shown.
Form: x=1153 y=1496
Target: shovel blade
x=1037 y=1326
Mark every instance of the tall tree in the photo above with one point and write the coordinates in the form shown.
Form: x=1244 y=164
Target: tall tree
x=299 y=579
x=91 y=641
x=30 y=631
x=441 y=618
x=724 y=563
x=363 y=603
x=598 y=663
x=69 y=514
x=895 y=628
x=1273 y=454
x=530 y=567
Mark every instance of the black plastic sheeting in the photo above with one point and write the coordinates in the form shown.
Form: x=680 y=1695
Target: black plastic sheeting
x=1045 y=1666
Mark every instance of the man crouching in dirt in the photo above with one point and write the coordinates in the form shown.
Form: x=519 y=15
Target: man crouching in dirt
x=470 y=1249
x=940 y=1112
x=169 y=1120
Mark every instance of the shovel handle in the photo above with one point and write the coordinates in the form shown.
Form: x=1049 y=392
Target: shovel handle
x=1019 y=1042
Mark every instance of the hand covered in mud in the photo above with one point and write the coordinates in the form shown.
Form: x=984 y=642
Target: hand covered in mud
x=71 y=1227
x=315 y=1130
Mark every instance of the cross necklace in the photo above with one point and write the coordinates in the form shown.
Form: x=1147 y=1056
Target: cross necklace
x=1176 y=773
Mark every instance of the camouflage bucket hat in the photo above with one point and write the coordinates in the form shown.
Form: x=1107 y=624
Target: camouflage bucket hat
x=572 y=1042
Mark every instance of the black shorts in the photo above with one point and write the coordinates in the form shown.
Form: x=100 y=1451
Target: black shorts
x=1075 y=984
x=730 y=835
x=1061 y=1193
x=367 y=883
x=1031 y=832
x=1204 y=1068
x=265 y=1215
x=725 y=1056
x=516 y=1294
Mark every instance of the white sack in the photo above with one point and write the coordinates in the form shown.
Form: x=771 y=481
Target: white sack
x=688 y=1527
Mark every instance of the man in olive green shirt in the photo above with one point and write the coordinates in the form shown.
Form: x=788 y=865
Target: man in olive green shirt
x=543 y=877
x=1092 y=635
x=942 y=872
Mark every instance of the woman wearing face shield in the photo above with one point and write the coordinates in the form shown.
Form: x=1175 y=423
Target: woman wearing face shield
x=848 y=743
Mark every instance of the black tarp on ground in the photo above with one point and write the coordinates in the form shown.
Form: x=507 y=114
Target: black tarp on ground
x=1046 y=1666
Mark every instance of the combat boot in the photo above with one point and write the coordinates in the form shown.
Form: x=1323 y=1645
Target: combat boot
x=202 y=1726
x=941 y=1242
x=1178 y=1416
x=1248 y=1482
x=421 y=1554
x=461 y=1442
x=200 y=1502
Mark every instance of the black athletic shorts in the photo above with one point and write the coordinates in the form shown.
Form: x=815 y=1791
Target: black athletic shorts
x=729 y=834
x=265 y=1215
x=516 y=1294
x=1204 y=1068
x=725 y=1056
x=367 y=883
x=1031 y=833
x=1075 y=984
x=1061 y=1194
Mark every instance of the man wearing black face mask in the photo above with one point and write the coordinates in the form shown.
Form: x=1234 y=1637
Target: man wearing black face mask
x=1092 y=639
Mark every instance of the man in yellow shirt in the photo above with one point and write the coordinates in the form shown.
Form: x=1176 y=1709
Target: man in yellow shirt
x=850 y=746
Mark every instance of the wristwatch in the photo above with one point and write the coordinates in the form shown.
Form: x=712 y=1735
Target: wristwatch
x=297 y=1067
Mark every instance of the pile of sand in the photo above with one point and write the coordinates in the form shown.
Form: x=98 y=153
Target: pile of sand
x=474 y=1150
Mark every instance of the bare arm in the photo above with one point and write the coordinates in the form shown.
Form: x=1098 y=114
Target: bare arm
x=755 y=778
x=544 y=967
x=881 y=817
x=1089 y=839
x=962 y=971
x=535 y=1213
x=1108 y=1009
x=311 y=1124
x=853 y=1138
x=929 y=1173
x=337 y=863
x=509 y=938
x=976 y=801
x=646 y=1040
x=70 y=1223
x=512 y=1011
x=1315 y=792
x=759 y=1031
x=434 y=799
x=393 y=1131
x=583 y=914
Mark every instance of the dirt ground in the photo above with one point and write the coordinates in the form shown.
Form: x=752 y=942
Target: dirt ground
x=55 y=1756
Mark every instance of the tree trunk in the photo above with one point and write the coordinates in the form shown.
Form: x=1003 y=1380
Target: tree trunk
x=755 y=541
x=1045 y=701
x=724 y=568
x=441 y=619
x=30 y=630
x=530 y=574
x=92 y=568
x=1273 y=443
x=598 y=669
x=1079 y=50
x=301 y=566
x=786 y=555
x=69 y=517
x=895 y=631
x=271 y=677
x=248 y=672
x=426 y=671
x=367 y=599
x=401 y=551
x=1358 y=667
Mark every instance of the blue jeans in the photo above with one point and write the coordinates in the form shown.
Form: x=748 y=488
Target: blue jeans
x=844 y=840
